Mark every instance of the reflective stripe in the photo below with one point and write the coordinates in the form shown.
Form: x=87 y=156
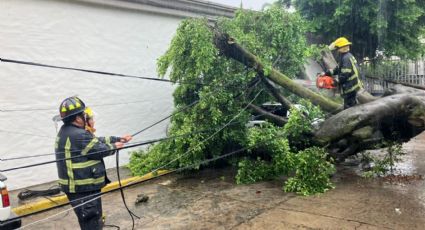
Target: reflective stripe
x=357 y=86
x=69 y=165
x=85 y=164
x=352 y=77
x=84 y=181
x=346 y=70
x=108 y=142
x=356 y=71
x=89 y=146
x=57 y=142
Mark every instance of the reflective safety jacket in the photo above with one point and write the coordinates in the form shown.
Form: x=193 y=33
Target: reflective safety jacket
x=349 y=73
x=85 y=171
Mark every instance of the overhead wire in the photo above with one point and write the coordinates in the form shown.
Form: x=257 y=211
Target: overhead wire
x=6 y=60
x=99 y=195
x=136 y=133
x=155 y=170
x=93 y=106
x=250 y=85
x=92 y=153
x=211 y=136
x=148 y=141
x=207 y=138
x=132 y=215
x=25 y=133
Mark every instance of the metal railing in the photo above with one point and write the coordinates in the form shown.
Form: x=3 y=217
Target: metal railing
x=384 y=75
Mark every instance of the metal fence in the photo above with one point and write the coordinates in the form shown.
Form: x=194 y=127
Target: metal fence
x=378 y=78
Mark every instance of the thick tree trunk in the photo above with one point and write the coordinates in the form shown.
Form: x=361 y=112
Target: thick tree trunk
x=399 y=116
x=229 y=48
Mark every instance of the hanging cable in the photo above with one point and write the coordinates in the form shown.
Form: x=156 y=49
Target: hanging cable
x=250 y=85
x=132 y=215
x=150 y=141
x=99 y=195
x=94 y=71
x=29 y=193
x=93 y=106
x=165 y=118
x=211 y=136
x=155 y=170
x=125 y=147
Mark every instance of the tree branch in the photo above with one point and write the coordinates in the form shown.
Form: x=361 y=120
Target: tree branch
x=270 y=116
x=229 y=48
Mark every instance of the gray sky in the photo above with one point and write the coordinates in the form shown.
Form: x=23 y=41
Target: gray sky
x=247 y=4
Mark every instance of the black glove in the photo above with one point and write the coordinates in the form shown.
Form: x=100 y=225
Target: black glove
x=328 y=72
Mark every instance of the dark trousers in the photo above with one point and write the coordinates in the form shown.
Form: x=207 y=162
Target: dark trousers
x=350 y=99
x=90 y=214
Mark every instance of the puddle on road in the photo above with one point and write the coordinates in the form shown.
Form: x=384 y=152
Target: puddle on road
x=407 y=177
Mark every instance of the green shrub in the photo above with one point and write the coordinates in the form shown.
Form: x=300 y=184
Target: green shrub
x=250 y=171
x=311 y=172
x=299 y=127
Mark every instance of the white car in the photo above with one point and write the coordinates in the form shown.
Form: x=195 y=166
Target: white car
x=5 y=210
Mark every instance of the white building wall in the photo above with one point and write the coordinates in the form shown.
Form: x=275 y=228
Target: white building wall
x=83 y=36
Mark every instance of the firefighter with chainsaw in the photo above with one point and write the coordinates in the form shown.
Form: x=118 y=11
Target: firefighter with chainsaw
x=348 y=72
x=82 y=174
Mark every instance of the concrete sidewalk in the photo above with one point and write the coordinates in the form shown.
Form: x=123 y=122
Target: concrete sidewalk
x=210 y=200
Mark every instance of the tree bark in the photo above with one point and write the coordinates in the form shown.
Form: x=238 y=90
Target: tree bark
x=398 y=117
x=229 y=48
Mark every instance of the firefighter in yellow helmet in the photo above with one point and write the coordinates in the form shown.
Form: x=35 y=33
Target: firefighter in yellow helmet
x=89 y=120
x=82 y=175
x=347 y=70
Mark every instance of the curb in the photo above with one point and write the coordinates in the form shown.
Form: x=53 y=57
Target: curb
x=61 y=200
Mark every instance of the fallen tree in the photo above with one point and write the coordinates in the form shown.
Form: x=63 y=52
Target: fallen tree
x=357 y=128
x=222 y=69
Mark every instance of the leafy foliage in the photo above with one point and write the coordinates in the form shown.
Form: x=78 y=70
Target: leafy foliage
x=312 y=172
x=391 y=27
x=299 y=127
x=310 y=168
x=192 y=58
x=268 y=141
x=250 y=171
x=275 y=36
x=218 y=90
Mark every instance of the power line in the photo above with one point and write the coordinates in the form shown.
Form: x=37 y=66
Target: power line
x=252 y=84
x=153 y=171
x=151 y=141
x=99 y=195
x=27 y=134
x=94 y=71
x=103 y=151
x=94 y=106
x=211 y=136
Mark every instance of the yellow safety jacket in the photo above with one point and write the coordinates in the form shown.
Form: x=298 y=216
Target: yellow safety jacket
x=85 y=171
x=349 y=73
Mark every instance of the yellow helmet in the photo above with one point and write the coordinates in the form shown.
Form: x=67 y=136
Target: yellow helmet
x=339 y=43
x=89 y=112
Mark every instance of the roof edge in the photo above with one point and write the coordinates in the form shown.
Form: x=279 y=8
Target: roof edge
x=178 y=8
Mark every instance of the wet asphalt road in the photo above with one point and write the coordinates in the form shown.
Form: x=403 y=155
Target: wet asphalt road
x=211 y=200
